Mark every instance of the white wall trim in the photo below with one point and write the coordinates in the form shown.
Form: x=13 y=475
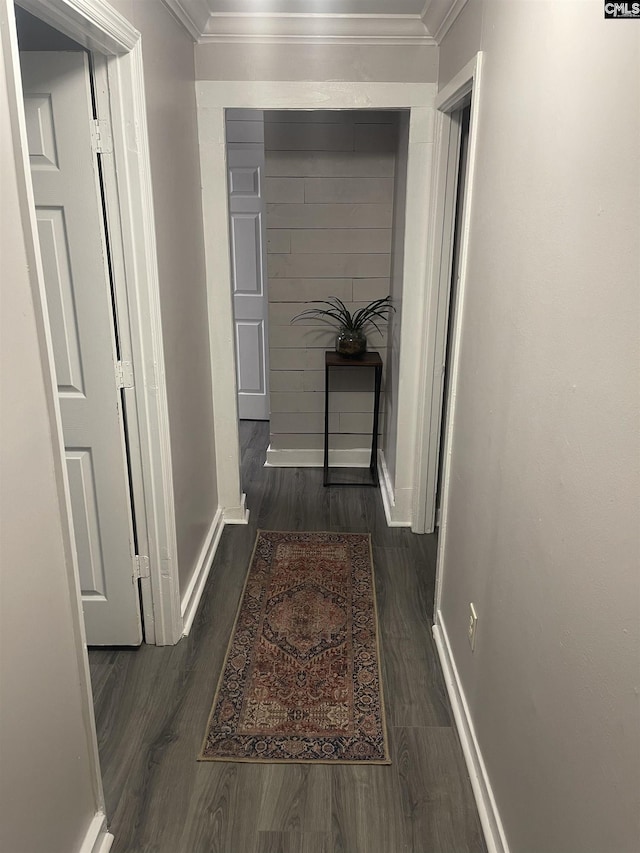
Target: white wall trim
x=440 y=253
x=97 y=838
x=487 y=808
x=395 y=511
x=386 y=488
x=132 y=143
x=447 y=22
x=96 y=25
x=185 y=15
x=447 y=96
x=356 y=457
x=93 y=23
x=391 y=512
x=320 y=39
x=195 y=587
x=451 y=95
x=263 y=26
x=236 y=514
x=212 y=98
x=414 y=316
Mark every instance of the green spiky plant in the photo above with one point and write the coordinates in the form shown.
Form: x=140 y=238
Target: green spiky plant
x=338 y=315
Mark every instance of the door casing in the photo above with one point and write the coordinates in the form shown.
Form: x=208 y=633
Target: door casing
x=213 y=99
x=449 y=103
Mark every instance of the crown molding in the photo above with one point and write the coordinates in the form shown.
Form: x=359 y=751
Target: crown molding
x=206 y=25
x=238 y=38
x=192 y=14
x=455 y=8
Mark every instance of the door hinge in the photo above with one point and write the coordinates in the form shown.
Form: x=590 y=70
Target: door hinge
x=140 y=567
x=101 y=136
x=124 y=374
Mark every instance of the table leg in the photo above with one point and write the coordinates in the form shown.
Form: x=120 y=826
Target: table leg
x=374 y=439
x=326 y=426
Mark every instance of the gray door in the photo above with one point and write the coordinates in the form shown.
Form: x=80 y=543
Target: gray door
x=248 y=263
x=64 y=169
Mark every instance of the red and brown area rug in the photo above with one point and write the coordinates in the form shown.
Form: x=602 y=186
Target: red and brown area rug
x=301 y=680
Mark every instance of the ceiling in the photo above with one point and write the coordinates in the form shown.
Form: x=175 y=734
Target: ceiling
x=318 y=21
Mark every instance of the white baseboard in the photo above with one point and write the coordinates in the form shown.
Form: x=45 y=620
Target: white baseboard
x=487 y=808
x=236 y=514
x=357 y=457
x=97 y=838
x=388 y=496
x=193 y=592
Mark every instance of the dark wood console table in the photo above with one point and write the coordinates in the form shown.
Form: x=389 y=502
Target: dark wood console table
x=370 y=360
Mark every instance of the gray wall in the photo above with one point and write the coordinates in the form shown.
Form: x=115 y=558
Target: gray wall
x=461 y=42
x=47 y=796
x=392 y=63
x=329 y=193
x=171 y=112
x=543 y=508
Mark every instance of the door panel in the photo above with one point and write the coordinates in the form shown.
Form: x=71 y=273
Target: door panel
x=244 y=181
x=68 y=202
x=63 y=319
x=40 y=133
x=86 y=527
x=251 y=373
x=250 y=303
x=246 y=253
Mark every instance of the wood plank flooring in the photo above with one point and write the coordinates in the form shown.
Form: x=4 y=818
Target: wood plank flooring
x=152 y=705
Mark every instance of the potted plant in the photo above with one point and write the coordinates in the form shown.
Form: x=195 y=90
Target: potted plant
x=351 y=339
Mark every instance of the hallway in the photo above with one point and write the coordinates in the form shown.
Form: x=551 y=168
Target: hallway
x=152 y=705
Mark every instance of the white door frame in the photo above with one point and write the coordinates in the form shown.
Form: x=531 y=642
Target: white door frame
x=440 y=251
x=213 y=97
x=99 y=28
x=449 y=101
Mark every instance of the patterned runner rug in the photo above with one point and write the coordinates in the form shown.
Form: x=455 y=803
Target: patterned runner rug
x=301 y=680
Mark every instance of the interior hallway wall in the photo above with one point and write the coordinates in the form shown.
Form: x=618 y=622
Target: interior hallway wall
x=329 y=194
x=168 y=58
x=48 y=796
x=544 y=500
x=327 y=62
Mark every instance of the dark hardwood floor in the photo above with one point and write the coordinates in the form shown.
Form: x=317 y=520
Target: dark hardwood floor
x=152 y=705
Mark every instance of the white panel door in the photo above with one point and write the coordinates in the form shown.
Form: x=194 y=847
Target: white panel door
x=248 y=263
x=64 y=169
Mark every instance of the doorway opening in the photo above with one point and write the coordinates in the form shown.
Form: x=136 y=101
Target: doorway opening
x=79 y=255
x=462 y=118
x=316 y=210
x=82 y=77
x=456 y=162
x=214 y=99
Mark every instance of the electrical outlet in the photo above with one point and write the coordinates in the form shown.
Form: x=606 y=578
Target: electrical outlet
x=473 y=624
